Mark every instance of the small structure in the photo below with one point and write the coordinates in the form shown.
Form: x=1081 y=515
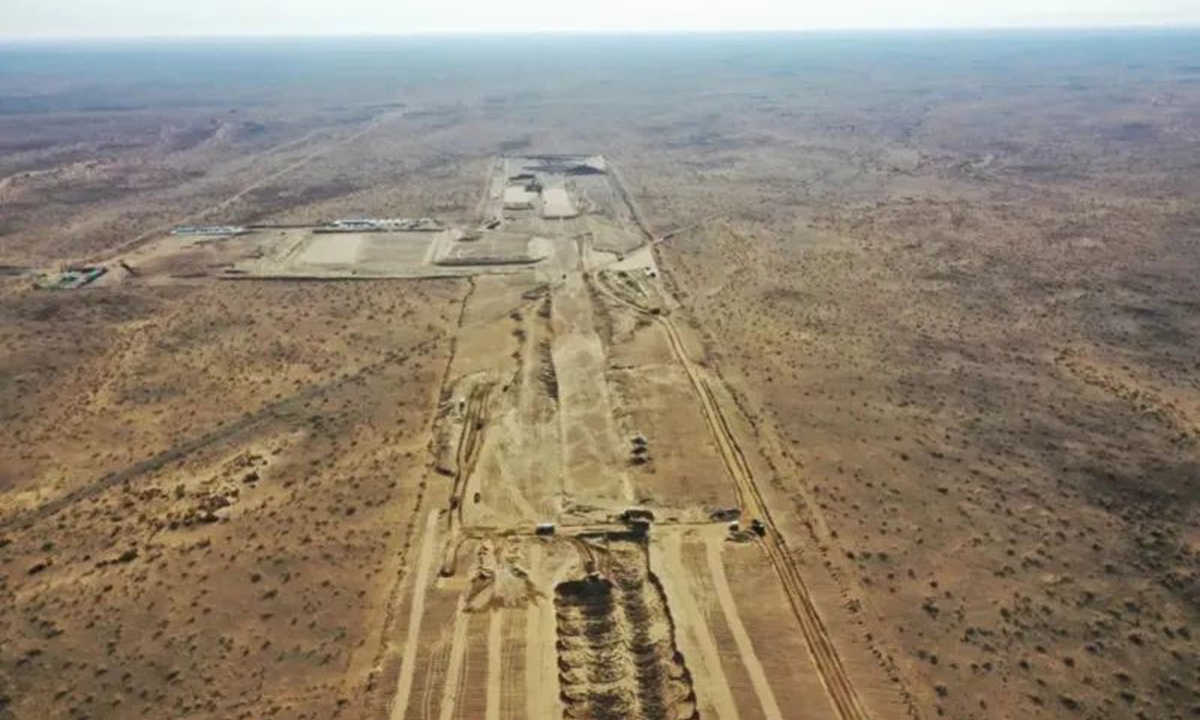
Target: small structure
x=520 y=197
x=634 y=514
x=351 y=225
x=544 y=529
x=358 y=225
x=739 y=535
x=209 y=230
x=725 y=515
x=639 y=453
x=71 y=278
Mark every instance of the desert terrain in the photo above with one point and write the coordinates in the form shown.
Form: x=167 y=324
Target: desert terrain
x=808 y=376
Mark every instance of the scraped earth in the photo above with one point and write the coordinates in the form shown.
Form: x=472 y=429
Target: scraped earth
x=547 y=487
x=597 y=515
x=616 y=643
x=336 y=450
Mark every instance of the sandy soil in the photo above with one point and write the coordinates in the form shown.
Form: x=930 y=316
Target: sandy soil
x=925 y=310
x=580 y=402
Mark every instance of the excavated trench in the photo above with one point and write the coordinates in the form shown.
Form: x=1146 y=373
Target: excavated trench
x=616 y=644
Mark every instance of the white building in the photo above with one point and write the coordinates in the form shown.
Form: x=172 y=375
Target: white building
x=518 y=197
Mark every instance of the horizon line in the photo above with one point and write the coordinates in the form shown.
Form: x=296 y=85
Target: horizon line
x=612 y=32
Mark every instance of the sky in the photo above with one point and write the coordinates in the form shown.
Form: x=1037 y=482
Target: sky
x=134 y=18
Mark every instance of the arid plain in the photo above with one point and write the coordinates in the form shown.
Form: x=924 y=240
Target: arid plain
x=926 y=307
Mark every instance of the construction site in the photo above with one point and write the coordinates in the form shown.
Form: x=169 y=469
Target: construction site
x=695 y=376
x=602 y=548
x=594 y=538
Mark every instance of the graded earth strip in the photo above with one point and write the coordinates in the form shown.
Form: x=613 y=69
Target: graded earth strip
x=458 y=654
x=541 y=681
x=417 y=612
x=590 y=469
x=754 y=667
x=512 y=694
x=495 y=667
x=693 y=630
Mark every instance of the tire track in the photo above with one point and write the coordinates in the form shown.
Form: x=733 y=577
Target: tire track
x=435 y=672
x=754 y=667
x=495 y=664
x=541 y=677
x=470 y=442
x=466 y=455
x=709 y=674
x=408 y=658
x=455 y=671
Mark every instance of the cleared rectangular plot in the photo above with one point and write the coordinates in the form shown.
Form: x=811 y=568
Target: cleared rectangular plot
x=557 y=203
x=492 y=248
x=683 y=471
x=611 y=236
x=404 y=249
x=332 y=249
x=518 y=198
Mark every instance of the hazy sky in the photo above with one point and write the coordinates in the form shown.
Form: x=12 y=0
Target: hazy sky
x=31 y=18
